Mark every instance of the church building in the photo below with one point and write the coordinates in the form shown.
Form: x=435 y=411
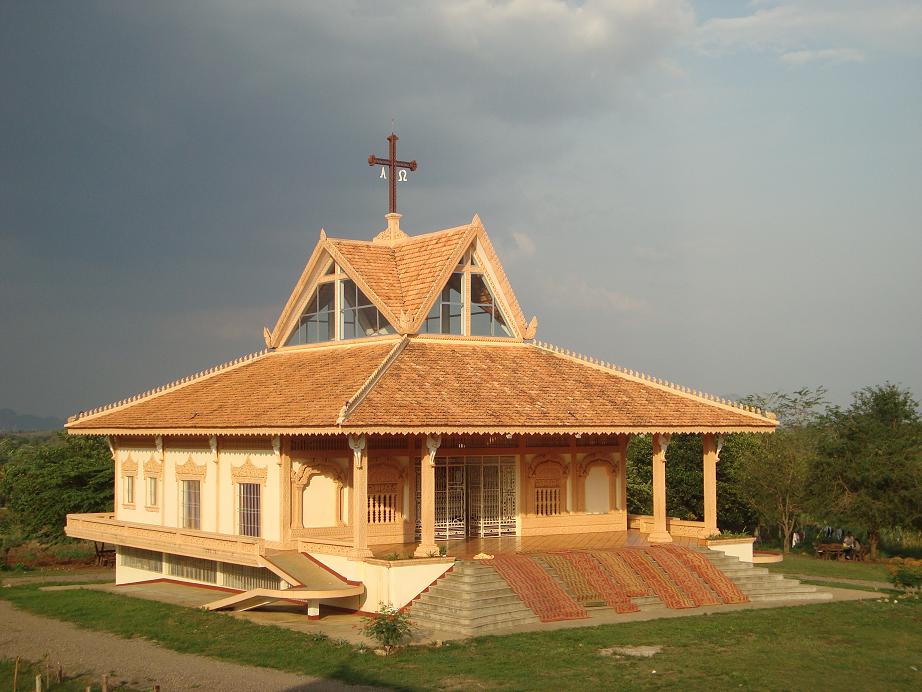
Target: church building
x=403 y=407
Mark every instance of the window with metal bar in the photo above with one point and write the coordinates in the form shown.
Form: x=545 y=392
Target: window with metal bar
x=151 y=491
x=191 y=504
x=128 y=495
x=248 y=495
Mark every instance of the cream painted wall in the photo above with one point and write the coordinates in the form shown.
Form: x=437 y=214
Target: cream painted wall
x=395 y=583
x=319 y=503
x=218 y=492
x=597 y=491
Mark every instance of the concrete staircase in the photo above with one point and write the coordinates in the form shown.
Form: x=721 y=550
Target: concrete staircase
x=761 y=585
x=471 y=600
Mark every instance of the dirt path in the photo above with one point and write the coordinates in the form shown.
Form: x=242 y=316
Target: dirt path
x=136 y=662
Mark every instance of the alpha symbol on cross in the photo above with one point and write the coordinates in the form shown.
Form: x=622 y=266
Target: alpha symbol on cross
x=397 y=169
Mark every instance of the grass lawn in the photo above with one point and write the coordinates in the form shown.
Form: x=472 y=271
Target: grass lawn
x=836 y=569
x=859 y=644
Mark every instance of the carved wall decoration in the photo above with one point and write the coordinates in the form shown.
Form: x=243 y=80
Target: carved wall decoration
x=546 y=492
x=248 y=472
x=190 y=471
x=300 y=480
x=153 y=468
x=129 y=467
x=386 y=480
x=612 y=465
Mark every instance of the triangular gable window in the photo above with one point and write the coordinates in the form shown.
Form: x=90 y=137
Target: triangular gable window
x=486 y=317
x=466 y=305
x=358 y=315
x=318 y=321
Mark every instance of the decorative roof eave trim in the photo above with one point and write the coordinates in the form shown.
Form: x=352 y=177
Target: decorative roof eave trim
x=505 y=288
x=299 y=287
x=649 y=381
x=357 y=398
x=434 y=430
x=359 y=280
x=83 y=416
x=438 y=284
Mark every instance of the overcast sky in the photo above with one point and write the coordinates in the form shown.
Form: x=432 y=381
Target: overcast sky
x=726 y=195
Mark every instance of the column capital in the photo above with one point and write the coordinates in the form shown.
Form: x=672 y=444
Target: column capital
x=433 y=442
x=719 y=445
x=158 y=443
x=213 y=444
x=357 y=445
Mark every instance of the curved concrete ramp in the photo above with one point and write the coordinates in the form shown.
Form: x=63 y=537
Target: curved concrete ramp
x=254 y=598
x=310 y=583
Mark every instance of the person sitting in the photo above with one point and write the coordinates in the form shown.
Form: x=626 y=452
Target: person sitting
x=848 y=546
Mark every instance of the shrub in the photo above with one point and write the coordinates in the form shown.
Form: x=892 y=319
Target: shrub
x=389 y=626
x=906 y=573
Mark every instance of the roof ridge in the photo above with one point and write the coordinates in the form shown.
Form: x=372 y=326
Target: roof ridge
x=372 y=380
x=175 y=384
x=403 y=241
x=445 y=268
x=655 y=381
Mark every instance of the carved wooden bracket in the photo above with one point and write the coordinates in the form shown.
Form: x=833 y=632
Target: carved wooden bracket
x=433 y=442
x=357 y=444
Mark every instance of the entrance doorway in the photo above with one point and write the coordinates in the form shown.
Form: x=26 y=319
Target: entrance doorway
x=474 y=497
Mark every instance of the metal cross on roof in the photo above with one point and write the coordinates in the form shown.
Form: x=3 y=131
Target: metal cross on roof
x=392 y=164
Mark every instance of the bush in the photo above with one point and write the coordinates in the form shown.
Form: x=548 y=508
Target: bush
x=906 y=573
x=389 y=626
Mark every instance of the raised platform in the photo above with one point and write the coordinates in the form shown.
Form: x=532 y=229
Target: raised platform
x=466 y=549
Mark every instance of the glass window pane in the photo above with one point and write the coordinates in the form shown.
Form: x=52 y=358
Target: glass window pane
x=481 y=320
x=325 y=297
x=361 y=299
x=452 y=292
x=367 y=322
x=348 y=326
x=480 y=293
x=349 y=294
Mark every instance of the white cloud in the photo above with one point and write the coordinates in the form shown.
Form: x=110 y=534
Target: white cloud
x=524 y=243
x=577 y=292
x=805 y=30
x=835 y=56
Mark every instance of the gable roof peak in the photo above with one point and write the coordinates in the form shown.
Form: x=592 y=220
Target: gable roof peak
x=392 y=234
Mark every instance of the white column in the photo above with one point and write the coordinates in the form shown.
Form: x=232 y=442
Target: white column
x=427 y=544
x=659 y=534
x=711 y=455
x=359 y=496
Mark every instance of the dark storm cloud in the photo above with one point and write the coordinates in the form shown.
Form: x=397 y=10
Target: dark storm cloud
x=166 y=167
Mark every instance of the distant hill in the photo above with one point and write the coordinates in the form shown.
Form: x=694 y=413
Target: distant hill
x=10 y=421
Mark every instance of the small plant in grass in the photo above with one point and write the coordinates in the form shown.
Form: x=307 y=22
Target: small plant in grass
x=906 y=573
x=389 y=627
x=392 y=556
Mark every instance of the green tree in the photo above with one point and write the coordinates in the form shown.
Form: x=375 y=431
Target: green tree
x=774 y=471
x=44 y=482
x=685 y=479
x=869 y=470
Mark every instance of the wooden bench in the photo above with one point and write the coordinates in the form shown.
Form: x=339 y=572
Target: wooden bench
x=829 y=551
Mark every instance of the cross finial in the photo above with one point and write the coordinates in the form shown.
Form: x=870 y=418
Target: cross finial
x=392 y=170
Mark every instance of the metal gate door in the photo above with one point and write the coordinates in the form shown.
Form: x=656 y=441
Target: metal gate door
x=474 y=496
x=491 y=494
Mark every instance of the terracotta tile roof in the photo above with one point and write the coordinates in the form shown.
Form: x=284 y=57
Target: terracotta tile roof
x=441 y=384
x=422 y=385
x=404 y=275
x=298 y=388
